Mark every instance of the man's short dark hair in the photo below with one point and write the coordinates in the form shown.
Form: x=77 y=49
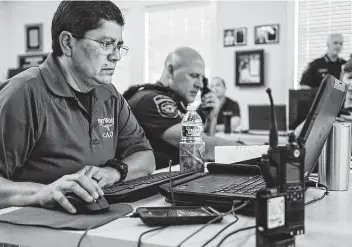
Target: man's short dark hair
x=79 y=17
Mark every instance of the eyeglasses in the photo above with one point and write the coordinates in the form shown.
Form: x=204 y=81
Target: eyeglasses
x=108 y=46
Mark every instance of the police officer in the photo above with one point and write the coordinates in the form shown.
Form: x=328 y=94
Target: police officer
x=330 y=63
x=61 y=122
x=159 y=108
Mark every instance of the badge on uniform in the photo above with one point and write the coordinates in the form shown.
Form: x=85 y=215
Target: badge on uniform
x=166 y=106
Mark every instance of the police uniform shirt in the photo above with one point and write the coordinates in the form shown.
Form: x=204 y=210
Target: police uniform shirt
x=319 y=68
x=156 y=110
x=45 y=132
x=228 y=106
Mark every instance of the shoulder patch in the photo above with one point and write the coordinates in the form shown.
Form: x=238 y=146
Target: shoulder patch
x=166 y=106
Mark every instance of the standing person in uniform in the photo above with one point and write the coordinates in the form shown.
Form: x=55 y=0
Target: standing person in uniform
x=227 y=105
x=330 y=63
x=159 y=107
x=62 y=121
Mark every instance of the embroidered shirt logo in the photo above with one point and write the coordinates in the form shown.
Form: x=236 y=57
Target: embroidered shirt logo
x=106 y=124
x=166 y=106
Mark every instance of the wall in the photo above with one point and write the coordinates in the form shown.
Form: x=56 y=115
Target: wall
x=4 y=42
x=278 y=58
x=19 y=14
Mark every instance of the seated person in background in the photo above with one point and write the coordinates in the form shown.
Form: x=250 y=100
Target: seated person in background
x=62 y=121
x=227 y=105
x=159 y=107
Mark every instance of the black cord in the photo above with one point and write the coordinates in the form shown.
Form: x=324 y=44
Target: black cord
x=86 y=231
x=234 y=232
x=317 y=185
x=95 y=225
x=219 y=232
x=213 y=220
x=152 y=230
x=171 y=189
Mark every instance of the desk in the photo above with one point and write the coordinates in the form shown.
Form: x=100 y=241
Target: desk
x=250 y=139
x=328 y=223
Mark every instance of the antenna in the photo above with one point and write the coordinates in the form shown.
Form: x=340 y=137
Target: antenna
x=273 y=137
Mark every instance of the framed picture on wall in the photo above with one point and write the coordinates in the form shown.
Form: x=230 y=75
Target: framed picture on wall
x=229 y=37
x=240 y=36
x=249 y=68
x=34 y=37
x=267 y=34
x=235 y=36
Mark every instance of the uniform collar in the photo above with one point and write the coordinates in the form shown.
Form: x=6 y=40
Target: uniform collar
x=58 y=85
x=175 y=96
x=327 y=59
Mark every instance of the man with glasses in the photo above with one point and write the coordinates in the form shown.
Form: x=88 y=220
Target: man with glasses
x=159 y=107
x=63 y=126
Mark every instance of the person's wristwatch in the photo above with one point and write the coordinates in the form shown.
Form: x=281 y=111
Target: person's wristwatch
x=121 y=167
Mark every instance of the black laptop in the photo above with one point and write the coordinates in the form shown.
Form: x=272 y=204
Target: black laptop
x=225 y=184
x=259 y=119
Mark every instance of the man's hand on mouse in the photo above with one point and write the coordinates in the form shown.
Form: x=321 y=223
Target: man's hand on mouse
x=78 y=183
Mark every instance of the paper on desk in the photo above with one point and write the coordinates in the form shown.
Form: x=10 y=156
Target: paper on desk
x=232 y=154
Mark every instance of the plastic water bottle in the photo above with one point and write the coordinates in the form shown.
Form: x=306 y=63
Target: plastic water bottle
x=192 y=146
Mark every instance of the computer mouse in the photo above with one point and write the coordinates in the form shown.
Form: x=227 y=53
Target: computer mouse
x=97 y=206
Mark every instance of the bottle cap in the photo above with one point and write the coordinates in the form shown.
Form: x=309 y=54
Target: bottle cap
x=191 y=108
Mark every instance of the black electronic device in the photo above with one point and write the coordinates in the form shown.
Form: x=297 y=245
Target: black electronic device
x=140 y=188
x=283 y=169
x=235 y=168
x=259 y=118
x=205 y=88
x=270 y=220
x=177 y=215
x=99 y=205
x=300 y=101
x=204 y=91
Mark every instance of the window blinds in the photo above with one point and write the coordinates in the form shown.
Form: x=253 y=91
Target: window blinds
x=317 y=19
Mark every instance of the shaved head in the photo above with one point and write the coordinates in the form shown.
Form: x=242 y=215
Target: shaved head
x=183 y=57
x=184 y=72
x=334 y=36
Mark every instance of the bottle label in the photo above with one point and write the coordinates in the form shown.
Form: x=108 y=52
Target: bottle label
x=192 y=131
x=192 y=156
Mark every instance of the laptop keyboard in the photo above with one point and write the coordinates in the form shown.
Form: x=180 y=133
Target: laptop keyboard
x=140 y=188
x=245 y=186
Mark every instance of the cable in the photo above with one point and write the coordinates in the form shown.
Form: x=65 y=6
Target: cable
x=219 y=232
x=317 y=185
x=213 y=220
x=171 y=189
x=98 y=224
x=86 y=231
x=234 y=232
x=152 y=230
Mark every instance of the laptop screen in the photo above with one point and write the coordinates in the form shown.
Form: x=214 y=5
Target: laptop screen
x=326 y=105
x=259 y=117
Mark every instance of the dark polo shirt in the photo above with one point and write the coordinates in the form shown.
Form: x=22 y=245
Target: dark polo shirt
x=46 y=133
x=228 y=106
